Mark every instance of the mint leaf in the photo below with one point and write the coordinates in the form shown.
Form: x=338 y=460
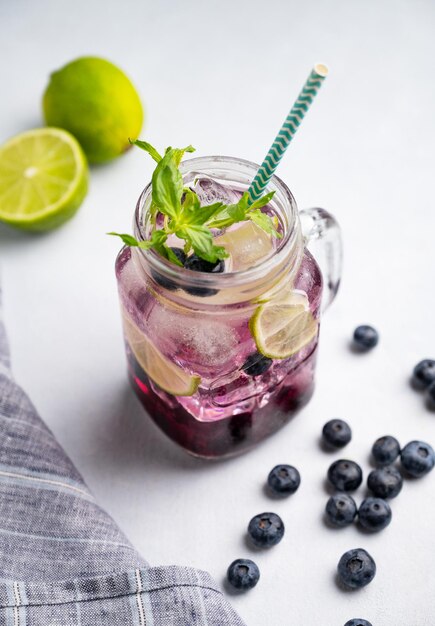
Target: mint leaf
x=158 y=237
x=231 y=213
x=179 y=153
x=167 y=186
x=201 y=240
x=238 y=211
x=129 y=240
x=184 y=215
x=206 y=212
x=187 y=247
x=191 y=204
x=157 y=241
x=171 y=256
x=192 y=212
x=264 y=221
x=144 y=145
x=241 y=211
x=167 y=182
x=221 y=219
x=261 y=202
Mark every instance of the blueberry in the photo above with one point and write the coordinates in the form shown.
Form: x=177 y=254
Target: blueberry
x=431 y=393
x=357 y=622
x=374 y=514
x=340 y=510
x=337 y=433
x=284 y=480
x=256 y=364
x=385 y=450
x=180 y=254
x=365 y=337
x=196 y=264
x=385 y=482
x=345 y=475
x=167 y=283
x=243 y=574
x=266 y=530
x=424 y=373
x=418 y=458
x=356 y=568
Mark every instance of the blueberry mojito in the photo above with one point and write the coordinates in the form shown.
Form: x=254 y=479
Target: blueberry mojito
x=220 y=303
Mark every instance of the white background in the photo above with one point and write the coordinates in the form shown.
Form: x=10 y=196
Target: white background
x=222 y=75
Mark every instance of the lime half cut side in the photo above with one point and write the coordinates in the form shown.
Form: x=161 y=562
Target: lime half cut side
x=281 y=329
x=43 y=179
x=163 y=372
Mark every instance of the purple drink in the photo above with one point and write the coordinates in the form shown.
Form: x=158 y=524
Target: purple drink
x=222 y=361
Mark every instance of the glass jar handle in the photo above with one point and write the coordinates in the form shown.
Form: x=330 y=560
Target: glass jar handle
x=322 y=237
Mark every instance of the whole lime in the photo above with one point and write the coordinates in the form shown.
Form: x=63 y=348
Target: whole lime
x=96 y=102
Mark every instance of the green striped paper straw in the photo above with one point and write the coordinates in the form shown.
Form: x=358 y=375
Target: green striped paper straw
x=287 y=132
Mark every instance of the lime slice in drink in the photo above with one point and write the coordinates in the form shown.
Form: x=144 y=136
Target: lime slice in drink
x=247 y=244
x=280 y=329
x=283 y=293
x=43 y=179
x=165 y=373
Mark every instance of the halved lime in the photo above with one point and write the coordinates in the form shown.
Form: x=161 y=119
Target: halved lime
x=43 y=179
x=280 y=329
x=165 y=373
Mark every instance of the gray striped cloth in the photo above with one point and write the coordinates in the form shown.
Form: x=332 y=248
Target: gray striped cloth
x=63 y=560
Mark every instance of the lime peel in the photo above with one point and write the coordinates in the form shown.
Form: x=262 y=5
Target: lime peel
x=95 y=101
x=162 y=371
x=284 y=295
x=281 y=329
x=43 y=179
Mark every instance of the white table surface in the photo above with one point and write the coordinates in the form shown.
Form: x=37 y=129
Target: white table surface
x=221 y=75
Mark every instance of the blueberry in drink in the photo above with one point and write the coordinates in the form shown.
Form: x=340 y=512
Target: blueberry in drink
x=166 y=282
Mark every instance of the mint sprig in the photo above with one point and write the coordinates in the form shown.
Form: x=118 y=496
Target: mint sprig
x=184 y=215
x=242 y=211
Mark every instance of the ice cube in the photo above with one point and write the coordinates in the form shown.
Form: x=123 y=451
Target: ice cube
x=247 y=244
x=199 y=343
x=236 y=387
x=210 y=191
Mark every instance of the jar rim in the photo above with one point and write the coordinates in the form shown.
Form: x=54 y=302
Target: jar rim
x=183 y=276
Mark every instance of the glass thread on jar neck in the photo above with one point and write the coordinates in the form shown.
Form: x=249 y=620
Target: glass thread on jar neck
x=243 y=284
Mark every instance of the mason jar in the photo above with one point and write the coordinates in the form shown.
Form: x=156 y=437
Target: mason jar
x=222 y=361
